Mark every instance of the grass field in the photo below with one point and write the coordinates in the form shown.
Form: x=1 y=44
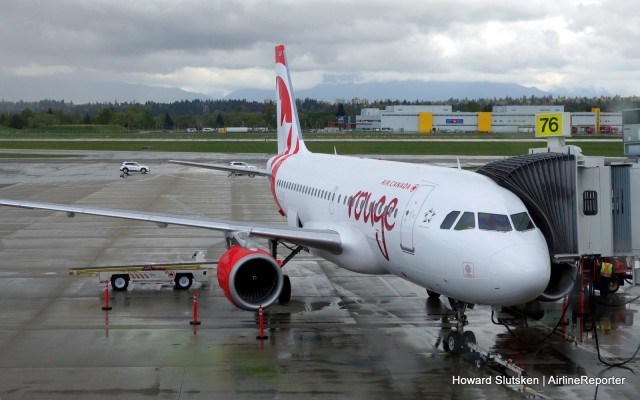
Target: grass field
x=117 y=132
x=418 y=147
x=116 y=138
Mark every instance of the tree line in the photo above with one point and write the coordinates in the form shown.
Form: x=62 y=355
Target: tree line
x=314 y=114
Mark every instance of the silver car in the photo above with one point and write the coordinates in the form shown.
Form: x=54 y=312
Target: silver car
x=131 y=166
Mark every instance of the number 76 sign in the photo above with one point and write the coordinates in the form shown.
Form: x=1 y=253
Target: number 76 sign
x=553 y=125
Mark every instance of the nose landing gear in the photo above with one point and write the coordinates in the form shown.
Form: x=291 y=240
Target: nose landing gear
x=458 y=340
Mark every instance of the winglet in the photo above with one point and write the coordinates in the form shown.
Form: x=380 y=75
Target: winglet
x=289 y=132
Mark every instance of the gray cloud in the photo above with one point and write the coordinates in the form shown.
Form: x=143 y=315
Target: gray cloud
x=217 y=46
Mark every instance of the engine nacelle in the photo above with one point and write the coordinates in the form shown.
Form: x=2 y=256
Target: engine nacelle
x=249 y=278
x=563 y=277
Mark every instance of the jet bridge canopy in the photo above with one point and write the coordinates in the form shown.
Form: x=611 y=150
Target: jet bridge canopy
x=546 y=183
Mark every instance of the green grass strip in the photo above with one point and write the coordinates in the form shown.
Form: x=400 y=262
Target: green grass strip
x=426 y=147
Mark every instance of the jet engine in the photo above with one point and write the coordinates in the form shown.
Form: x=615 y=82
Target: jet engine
x=563 y=276
x=250 y=278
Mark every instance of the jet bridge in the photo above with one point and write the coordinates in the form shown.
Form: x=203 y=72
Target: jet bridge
x=546 y=183
x=583 y=205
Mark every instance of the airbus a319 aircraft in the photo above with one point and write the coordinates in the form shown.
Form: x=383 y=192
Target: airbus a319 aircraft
x=455 y=233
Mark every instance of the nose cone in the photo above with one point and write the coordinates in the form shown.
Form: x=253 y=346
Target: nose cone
x=520 y=273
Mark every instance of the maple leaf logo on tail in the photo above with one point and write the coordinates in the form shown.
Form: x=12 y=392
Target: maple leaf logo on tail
x=289 y=134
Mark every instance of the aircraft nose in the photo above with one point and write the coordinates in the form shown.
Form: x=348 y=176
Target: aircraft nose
x=521 y=272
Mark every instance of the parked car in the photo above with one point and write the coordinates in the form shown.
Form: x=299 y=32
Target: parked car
x=131 y=166
x=242 y=164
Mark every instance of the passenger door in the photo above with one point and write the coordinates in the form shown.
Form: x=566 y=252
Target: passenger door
x=410 y=215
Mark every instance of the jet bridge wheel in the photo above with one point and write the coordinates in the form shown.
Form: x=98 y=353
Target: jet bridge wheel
x=119 y=282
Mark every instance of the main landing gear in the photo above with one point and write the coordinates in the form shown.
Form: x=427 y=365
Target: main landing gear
x=458 y=340
x=285 y=295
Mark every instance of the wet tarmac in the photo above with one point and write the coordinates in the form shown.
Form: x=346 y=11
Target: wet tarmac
x=343 y=335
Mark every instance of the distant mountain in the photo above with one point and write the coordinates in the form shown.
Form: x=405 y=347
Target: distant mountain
x=581 y=92
x=401 y=90
x=85 y=91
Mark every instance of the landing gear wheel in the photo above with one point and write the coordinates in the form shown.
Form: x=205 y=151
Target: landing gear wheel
x=119 y=282
x=285 y=295
x=183 y=281
x=454 y=342
x=445 y=346
x=432 y=294
x=468 y=337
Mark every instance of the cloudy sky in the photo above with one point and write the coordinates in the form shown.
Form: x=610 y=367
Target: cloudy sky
x=218 y=46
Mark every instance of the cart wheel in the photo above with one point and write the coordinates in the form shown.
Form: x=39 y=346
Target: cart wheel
x=480 y=362
x=119 y=282
x=614 y=285
x=183 y=281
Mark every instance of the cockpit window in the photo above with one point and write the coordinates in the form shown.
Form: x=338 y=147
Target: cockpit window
x=467 y=221
x=522 y=222
x=449 y=220
x=494 y=222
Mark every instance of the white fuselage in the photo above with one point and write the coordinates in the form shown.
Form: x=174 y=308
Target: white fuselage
x=390 y=218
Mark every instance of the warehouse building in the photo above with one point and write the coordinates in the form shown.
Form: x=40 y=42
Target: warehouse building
x=502 y=119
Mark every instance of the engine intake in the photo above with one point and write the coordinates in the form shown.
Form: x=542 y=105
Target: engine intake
x=563 y=277
x=249 y=278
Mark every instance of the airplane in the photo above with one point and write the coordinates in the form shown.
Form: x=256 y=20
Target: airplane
x=455 y=233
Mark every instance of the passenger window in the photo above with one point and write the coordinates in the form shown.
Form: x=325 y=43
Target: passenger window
x=449 y=220
x=494 y=222
x=522 y=222
x=467 y=221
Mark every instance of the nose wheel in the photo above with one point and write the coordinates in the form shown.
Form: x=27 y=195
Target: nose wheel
x=458 y=342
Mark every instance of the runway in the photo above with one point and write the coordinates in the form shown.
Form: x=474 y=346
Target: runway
x=343 y=335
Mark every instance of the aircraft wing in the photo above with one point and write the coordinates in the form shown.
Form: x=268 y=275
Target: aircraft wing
x=323 y=239
x=223 y=167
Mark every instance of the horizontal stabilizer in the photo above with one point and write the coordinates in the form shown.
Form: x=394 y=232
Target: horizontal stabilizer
x=223 y=167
